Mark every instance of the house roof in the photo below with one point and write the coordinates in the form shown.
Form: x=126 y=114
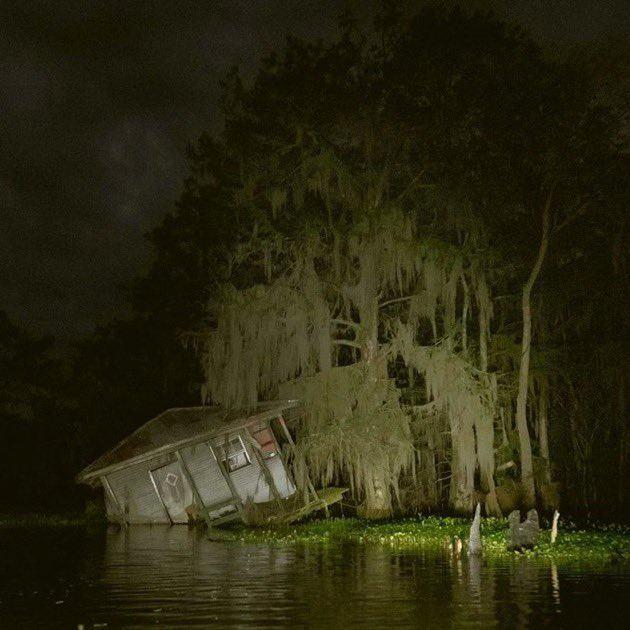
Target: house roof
x=175 y=428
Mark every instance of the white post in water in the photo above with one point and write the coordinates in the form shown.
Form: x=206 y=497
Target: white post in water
x=554 y=526
x=474 y=540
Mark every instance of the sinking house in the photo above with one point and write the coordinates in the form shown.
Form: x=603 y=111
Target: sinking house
x=203 y=462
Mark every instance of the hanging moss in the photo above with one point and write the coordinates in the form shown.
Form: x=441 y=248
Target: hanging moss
x=467 y=399
x=344 y=300
x=355 y=430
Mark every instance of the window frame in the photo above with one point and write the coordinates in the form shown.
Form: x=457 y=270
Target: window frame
x=273 y=441
x=225 y=457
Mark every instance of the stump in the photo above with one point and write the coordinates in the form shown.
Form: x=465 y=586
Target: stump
x=474 y=540
x=523 y=535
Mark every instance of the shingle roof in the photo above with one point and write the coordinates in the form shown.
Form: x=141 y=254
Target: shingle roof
x=174 y=428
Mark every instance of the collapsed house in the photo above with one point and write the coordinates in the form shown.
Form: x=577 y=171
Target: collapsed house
x=205 y=462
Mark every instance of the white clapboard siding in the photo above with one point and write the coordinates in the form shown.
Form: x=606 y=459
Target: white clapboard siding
x=136 y=493
x=206 y=474
x=140 y=502
x=280 y=477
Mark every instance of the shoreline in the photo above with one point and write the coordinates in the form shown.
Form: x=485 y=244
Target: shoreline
x=600 y=544
x=43 y=519
x=609 y=543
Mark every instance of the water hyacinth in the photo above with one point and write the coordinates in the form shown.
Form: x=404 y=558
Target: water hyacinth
x=594 y=545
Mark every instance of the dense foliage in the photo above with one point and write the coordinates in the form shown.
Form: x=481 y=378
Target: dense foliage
x=38 y=441
x=421 y=212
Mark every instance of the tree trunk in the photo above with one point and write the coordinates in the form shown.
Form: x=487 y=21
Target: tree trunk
x=622 y=443
x=462 y=485
x=544 y=433
x=527 y=469
x=378 y=498
x=483 y=430
x=325 y=358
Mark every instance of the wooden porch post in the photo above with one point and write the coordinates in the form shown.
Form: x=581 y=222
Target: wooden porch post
x=284 y=457
x=263 y=464
x=159 y=496
x=228 y=480
x=292 y=443
x=193 y=485
x=112 y=496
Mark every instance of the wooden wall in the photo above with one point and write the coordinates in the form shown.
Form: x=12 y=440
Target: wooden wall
x=136 y=496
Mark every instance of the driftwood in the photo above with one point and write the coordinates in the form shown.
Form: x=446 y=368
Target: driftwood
x=523 y=535
x=474 y=540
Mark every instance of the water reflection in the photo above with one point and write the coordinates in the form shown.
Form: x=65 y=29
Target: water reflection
x=173 y=577
x=555 y=586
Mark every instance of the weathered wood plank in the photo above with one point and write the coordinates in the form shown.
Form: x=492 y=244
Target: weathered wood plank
x=232 y=516
x=221 y=504
x=114 y=500
x=226 y=475
x=328 y=497
x=263 y=465
x=193 y=486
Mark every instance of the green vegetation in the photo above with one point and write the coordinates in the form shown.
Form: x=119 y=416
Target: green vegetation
x=92 y=516
x=8 y=521
x=596 y=544
x=609 y=543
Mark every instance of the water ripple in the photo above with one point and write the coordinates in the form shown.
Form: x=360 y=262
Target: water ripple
x=173 y=577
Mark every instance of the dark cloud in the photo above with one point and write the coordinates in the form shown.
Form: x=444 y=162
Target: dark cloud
x=97 y=103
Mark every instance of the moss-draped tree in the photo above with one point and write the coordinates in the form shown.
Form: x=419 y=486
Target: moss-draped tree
x=380 y=196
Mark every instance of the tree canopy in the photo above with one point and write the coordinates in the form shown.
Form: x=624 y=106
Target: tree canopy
x=387 y=203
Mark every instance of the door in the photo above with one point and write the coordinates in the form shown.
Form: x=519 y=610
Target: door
x=174 y=491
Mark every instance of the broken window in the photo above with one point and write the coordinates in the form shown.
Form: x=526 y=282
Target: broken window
x=233 y=453
x=266 y=441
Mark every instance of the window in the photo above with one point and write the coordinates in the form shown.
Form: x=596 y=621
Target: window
x=267 y=443
x=236 y=456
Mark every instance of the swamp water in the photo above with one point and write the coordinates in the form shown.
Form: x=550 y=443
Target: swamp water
x=173 y=577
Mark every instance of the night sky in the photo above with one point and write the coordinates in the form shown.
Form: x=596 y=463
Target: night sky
x=98 y=101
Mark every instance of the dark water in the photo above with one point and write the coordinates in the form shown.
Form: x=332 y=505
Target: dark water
x=173 y=577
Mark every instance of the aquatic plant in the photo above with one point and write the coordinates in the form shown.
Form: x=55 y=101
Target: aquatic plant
x=591 y=545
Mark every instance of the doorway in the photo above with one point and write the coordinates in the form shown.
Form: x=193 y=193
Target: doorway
x=174 y=491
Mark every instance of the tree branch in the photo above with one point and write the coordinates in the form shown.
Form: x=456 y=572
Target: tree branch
x=395 y=300
x=570 y=218
x=346 y=342
x=345 y=322
x=542 y=250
